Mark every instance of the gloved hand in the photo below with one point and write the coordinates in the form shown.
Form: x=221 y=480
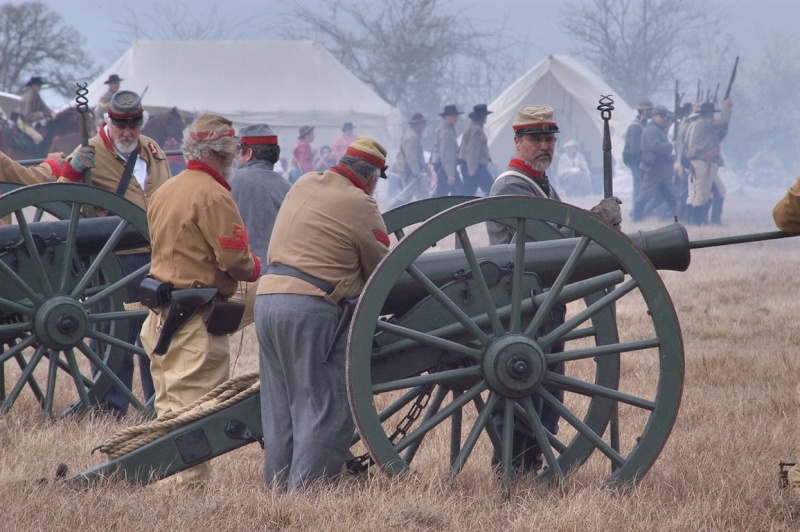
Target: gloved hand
x=83 y=159
x=608 y=210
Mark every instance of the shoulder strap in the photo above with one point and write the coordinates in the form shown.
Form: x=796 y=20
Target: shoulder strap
x=526 y=178
x=127 y=173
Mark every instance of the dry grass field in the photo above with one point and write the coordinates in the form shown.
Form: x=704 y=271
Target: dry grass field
x=738 y=308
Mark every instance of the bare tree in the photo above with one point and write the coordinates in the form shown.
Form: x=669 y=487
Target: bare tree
x=34 y=40
x=415 y=54
x=177 y=21
x=641 y=46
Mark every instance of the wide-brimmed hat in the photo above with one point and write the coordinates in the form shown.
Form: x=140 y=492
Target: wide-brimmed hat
x=707 y=108
x=210 y=127
x=257 y=134
x=450 y=110
x=417 y=118
x=533 y=119
x=369 y=150
x=347 y=126
x=113 y=78
x=479 y=111
x=35 y=80
x=644 y=105
x=304 y=130
x=125 y=108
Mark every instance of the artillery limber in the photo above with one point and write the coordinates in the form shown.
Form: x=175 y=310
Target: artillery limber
x=447 y=330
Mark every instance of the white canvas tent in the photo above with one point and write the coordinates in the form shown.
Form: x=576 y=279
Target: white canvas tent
x=573 y=92
x=286 y=84
x=9 y=102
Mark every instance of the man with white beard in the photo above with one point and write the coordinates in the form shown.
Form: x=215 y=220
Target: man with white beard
x=535 y=140
x=199 y=242
x=123 y=161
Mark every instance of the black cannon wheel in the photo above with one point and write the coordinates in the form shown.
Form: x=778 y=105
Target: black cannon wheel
x=469 y=356
x=61 y=307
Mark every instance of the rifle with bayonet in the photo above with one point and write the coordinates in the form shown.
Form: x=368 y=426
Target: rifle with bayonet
x=733 y=77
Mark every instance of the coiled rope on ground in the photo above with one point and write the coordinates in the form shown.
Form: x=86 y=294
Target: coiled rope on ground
x=226 y=394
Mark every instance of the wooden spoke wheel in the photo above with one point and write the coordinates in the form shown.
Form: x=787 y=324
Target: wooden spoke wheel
x=63 y=327
x=468 y=341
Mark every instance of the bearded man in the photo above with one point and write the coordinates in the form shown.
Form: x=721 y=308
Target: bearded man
x=123 y=161
x=535 y=140
x=199 y=241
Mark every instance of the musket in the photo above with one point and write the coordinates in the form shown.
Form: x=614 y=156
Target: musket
x=675 y=112
x=716 y=93
x=699 y=92
x=733 y=77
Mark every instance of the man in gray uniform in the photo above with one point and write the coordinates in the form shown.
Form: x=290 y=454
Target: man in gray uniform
x=656 y=164
x=444 y=154
x=535 y=139
x=258 y=191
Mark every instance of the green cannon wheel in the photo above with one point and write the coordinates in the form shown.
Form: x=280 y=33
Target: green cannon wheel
x=476 y=345
x=62 y=303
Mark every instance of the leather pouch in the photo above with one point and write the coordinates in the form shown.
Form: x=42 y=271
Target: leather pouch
x=223 y=316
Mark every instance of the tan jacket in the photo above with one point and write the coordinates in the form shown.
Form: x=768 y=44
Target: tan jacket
x=197 y=235
x=14 y=172
x=32 y=107
x=331 y=229
x=109 y=167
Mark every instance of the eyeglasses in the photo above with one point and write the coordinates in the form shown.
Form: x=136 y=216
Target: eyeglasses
x=241 y=147
x=550 y=140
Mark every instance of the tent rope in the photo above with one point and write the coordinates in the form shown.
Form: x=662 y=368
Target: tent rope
x=226 y=394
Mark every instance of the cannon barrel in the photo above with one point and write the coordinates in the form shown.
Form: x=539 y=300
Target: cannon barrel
x=667 y=248
x=92 y=235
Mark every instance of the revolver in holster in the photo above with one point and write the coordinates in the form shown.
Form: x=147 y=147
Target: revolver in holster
x=183 y=306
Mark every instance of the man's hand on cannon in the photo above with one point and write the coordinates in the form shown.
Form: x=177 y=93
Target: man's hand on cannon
x=609 y=210
x=83 y=159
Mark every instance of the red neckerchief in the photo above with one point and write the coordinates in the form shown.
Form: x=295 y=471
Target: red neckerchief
x=197 y=165
x=539 y=177
x=110 y=145
x=346 y=172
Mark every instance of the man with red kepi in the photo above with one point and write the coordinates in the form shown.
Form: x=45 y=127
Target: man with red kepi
x=328 y=238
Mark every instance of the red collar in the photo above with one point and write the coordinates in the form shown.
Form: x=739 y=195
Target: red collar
x=346 y=172
x=519 y=164
x=203 y=167
x=110 y=145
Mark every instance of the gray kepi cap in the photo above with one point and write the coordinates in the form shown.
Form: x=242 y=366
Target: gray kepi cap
x=125 y=109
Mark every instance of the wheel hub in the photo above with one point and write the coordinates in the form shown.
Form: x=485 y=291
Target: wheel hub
x=60 y=322
x=514 y=365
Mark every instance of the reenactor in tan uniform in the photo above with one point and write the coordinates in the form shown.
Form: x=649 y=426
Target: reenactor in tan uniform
x=124 y=161
x=328 y=238
x=473 y=154
x=444 y=154
x=787 y=218
x=32 y=109
x=703 y=148
x=414 y=175
x=199 y=241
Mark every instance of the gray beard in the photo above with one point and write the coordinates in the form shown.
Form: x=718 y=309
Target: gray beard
x=541 y=165
x=126 y=151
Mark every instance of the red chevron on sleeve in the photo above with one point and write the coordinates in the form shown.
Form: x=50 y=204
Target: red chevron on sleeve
x=238 y=242
x=381 y=237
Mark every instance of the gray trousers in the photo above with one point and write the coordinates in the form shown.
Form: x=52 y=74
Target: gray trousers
x=305 y=415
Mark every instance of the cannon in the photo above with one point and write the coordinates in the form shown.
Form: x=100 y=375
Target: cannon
x=447 y=330
x=63 y=299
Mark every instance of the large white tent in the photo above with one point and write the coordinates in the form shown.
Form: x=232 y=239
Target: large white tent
x=573 y=92
x=9 y=102
x=286 y=84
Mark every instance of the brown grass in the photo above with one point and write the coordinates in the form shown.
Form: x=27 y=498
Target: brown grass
x=738 y=308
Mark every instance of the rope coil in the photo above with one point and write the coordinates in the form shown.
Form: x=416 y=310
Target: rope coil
x=226 y=394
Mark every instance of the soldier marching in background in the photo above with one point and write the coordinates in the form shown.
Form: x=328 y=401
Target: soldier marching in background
x=444 y=154
x=473 y=154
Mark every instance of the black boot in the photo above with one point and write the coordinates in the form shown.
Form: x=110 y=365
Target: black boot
x=716 y=210
x=700 y=213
